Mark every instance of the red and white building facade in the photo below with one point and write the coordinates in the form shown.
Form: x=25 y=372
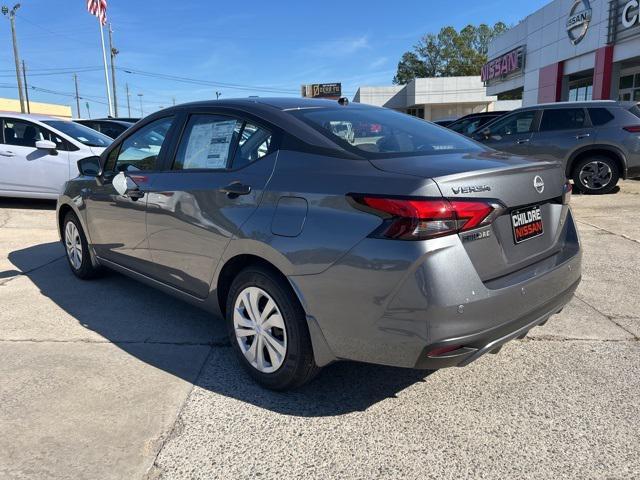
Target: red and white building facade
x=570 y=50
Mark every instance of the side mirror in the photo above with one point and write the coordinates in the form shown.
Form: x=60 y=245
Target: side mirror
x=126 y=187
x=46 y=145
x=89 y=166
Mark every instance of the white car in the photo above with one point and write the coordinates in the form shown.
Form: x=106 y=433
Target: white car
x=38 y=154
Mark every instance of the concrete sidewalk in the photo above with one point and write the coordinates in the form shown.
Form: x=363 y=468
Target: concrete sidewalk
x=112 y=379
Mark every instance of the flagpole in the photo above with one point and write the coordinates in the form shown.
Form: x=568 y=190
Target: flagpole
x=106 y=73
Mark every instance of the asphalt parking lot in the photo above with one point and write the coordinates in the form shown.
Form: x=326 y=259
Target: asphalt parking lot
x=110 y=379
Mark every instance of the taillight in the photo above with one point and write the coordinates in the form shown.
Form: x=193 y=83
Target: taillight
x=419 y=219
x=632 y=128
x=566 y=193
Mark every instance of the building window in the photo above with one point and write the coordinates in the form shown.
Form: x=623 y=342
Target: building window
x=416 y=112
x=580 y=93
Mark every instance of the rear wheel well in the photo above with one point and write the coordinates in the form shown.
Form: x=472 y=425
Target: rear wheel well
x=596 y=152
x=64 y=209
x=233 y=267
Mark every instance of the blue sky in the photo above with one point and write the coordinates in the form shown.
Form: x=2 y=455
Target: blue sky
x=274 y=46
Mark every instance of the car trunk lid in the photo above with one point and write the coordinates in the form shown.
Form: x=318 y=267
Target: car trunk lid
x=530 y=190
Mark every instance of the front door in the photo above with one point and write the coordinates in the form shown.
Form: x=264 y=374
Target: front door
x=214 y=184
x=510 y=134
x=26 y=169
x=116 y=223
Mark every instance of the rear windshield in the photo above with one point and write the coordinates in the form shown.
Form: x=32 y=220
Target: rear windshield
x=635 y=110
x=380 y=132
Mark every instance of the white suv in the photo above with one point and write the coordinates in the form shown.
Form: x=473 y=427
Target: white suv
x=38 y=154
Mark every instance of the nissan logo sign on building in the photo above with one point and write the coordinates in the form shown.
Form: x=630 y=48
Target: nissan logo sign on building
x=578 y=20
x=576 y=50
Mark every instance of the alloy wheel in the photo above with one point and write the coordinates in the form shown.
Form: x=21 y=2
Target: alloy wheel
x=74 y=245
x=260 y=330
x=595 y=175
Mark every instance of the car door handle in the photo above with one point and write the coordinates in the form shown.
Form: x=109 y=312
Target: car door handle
x=7 y=153
x=520 y=141
x=236 y=189
x=582 y=135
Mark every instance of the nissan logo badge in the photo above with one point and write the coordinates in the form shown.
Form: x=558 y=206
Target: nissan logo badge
x=538 y=183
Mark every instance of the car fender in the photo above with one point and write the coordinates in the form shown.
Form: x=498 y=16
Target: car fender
x=596 y=146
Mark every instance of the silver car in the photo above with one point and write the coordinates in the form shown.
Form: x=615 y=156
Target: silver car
x=598 y=142
x=402 y=243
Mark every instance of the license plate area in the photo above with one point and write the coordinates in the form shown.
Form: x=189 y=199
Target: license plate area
x=527 y=223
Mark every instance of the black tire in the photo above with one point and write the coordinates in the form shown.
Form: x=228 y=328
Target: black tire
x=86 y=270
x=583 y=186
x=298 y=366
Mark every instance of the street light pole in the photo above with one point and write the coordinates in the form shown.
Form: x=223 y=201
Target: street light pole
x=126 y=86
x=141 y=112
x=26 y=87
x=11 y=14
x=218 y=95
x=114 y=52
x=75 y=80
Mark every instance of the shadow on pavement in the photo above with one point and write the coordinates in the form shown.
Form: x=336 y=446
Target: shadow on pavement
x=128 y=313
x=27 y=204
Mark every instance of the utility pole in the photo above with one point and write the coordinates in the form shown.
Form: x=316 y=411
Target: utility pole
x=218 y=95
x=75 y=80
x=88 y=111
x=114 y=52
x=126 y=86
x=173 y=99
x=141 y=112
x=26 y=87
x=11 y=14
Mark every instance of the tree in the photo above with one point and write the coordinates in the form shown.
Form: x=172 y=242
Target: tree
x=449 y=53
x=409 y=67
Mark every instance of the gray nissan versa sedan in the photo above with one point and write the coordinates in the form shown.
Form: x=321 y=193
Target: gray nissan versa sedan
x=324 y=231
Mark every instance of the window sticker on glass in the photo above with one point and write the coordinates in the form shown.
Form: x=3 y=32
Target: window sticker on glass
x=208 y=145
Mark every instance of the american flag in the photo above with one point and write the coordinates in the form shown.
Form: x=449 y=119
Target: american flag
x=99 y=9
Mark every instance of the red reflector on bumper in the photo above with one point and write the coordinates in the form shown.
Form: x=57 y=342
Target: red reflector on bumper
x=442 y=350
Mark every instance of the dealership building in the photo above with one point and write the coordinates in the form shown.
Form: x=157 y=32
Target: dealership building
x=439 y=98
x=570 y=50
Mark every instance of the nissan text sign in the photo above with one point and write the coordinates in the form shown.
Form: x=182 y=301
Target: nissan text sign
x=504 y=65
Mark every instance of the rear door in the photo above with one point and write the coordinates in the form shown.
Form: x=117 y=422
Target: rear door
x=27 y=169
x=510 y=134
x=562 y=131
x=211 y=186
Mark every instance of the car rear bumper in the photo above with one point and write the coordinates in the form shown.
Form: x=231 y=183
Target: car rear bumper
x=392 y=303
x=475 y=345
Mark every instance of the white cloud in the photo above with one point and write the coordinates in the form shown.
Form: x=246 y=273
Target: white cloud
x=338 y=47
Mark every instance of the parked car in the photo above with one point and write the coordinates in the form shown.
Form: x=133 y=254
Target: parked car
x=39 y=154
x=109 y=127
x=598 y=142
x=444 y=123
x=416 y=247
x=468 y=124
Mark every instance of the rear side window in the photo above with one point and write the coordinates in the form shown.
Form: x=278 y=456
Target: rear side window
x=600 y=116
x=382 y=133
x=635 y=110
x=254 y=143
x=562 y=119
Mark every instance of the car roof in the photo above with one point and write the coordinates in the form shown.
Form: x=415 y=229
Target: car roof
x=280 y=103
x=104 y=120
x=32 y=116
x=590 y=103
